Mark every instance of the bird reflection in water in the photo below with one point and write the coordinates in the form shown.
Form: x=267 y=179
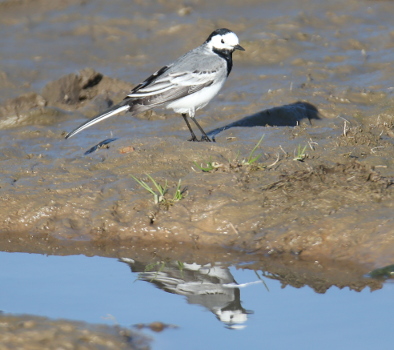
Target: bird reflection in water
x=213 y=287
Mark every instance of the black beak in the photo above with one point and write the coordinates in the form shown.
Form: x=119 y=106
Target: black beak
x=239 y=47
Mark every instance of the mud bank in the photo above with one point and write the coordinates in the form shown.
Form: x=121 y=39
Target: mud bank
x=32 y=332
x=310 y=77
x=331 y=203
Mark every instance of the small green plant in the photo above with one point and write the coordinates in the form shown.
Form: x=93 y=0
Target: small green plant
x=236 y=163
x=209 y=167
x=159 y=193
x=179 y=194
x=181 y=267
x=252 y=158
x=301 y=155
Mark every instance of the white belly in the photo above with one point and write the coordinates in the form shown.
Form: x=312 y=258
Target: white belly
x=195 y=101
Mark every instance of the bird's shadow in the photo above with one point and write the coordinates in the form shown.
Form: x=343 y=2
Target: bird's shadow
x=287 y=115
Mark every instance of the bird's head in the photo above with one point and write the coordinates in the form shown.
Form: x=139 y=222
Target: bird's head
x=223 y=40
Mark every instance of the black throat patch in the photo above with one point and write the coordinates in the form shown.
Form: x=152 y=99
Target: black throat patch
x=227 y=55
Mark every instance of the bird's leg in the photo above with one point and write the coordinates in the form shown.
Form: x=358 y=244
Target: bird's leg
x=204 y=135
x=194 y=138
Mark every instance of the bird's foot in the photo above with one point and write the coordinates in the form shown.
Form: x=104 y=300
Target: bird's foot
x=193 y=139
x=205 y=138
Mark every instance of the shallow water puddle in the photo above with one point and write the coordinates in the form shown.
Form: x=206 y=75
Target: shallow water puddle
x=199 y=300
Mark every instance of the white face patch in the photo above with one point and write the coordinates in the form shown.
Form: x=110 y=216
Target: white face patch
x=224 y=42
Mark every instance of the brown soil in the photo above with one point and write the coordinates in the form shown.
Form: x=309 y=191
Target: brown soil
x=31 y=332
x=332 y=204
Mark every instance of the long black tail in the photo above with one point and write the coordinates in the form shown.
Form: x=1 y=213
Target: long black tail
x=120 y=107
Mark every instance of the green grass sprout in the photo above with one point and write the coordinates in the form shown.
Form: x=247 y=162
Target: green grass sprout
x=301 y=155
x=205 y=169
x=179 y=193
x=251 y=158
x=158 y=191
x=208 y=168
x=161 y=191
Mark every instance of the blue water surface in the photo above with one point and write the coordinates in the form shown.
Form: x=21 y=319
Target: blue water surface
x=104 y=290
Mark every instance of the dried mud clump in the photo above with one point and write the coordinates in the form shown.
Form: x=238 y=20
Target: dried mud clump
x=86 y=92
x=73 y=88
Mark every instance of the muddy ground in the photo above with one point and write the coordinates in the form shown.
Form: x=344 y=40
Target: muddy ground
x=316 y=75
x=333 y=202
x=32 y=332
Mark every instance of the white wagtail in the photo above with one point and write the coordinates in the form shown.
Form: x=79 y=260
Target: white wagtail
x=185 y=85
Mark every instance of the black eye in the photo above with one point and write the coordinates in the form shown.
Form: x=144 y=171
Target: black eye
x=222 y=41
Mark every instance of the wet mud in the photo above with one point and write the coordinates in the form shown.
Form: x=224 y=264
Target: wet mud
x=32 y=332
x=315 y=208
x=329 y=201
